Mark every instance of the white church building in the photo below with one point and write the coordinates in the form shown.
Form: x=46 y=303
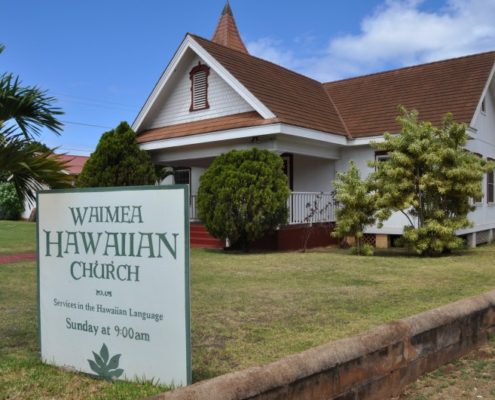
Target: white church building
x=214 y=96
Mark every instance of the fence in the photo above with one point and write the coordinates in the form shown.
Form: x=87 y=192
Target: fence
x=306 y=207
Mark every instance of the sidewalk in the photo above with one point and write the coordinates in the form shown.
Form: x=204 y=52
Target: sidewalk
x=13 y=258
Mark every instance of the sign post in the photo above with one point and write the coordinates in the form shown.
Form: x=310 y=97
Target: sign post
x=113 y=282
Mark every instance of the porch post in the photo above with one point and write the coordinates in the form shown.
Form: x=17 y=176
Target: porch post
x=471 y=240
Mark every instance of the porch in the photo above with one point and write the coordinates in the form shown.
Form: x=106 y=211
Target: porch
x=304 y=208
x=315 y=209
x=309 y=164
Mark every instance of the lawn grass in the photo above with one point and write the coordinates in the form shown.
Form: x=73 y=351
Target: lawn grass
x=22 y=375
x=250 y=309
x=256 y=308
x=17 y=237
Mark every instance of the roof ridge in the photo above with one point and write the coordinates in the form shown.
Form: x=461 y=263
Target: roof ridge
x=342 y=121
x=410 y=67
x=258 y=58
x=313 y=85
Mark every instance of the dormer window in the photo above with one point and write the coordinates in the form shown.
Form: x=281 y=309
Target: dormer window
x=199 y=87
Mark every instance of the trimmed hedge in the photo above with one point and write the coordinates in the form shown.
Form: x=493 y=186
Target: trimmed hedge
x=243 y=195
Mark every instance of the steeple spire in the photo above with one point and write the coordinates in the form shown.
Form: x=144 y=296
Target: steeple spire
x=227 y=33
x=227 y=10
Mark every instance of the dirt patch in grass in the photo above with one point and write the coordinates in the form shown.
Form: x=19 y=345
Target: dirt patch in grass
x=471 y=377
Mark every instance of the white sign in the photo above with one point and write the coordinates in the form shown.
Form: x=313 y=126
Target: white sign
x=113 y=270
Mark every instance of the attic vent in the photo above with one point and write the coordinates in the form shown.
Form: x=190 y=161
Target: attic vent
x=199 y=87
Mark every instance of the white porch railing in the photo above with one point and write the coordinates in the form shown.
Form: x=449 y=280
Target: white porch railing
x=304 y=207
x=193 y=213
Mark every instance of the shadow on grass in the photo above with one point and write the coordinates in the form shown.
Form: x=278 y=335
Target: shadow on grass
x=390 y=252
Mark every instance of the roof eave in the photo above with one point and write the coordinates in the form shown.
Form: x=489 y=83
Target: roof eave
x=160 y=84
x=274 y=128
x=491 y=76
x=254 y=102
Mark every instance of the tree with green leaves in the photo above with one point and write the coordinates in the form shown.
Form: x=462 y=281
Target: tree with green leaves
x=431 y=179
x=357 y=207
x=24 y=112
x=243 y=196
x=118 y=161
x=10 y=206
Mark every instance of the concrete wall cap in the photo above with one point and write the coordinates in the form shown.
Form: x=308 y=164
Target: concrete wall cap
x=447 y=314
x=254 y=381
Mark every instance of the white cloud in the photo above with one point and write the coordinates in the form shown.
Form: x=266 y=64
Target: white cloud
x=272 y=50
x=398 y=33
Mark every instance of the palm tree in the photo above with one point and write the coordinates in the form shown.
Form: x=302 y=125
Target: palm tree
x=24 y=112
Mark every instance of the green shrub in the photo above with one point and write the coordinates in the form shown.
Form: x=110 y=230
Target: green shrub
x=357 y=208
x=10 y=205
x=431 y=179
x=243 y=195
x=118 y=161
x=363 y=250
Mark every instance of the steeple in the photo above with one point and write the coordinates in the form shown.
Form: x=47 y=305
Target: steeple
x=227 y=33
x=227 y=10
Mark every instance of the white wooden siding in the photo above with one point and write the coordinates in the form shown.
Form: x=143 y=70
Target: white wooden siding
x=311 y=174
x=484 y=123
x=174 y=109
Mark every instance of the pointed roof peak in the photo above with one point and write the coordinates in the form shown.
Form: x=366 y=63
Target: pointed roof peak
x=227 y=33
x=227 y=10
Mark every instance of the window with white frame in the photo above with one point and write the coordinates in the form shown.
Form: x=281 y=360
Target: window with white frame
x=182 y=176
x=199 y=87
x=381 y=156
x=478 y=202
x=490 y=185
x=287 y=158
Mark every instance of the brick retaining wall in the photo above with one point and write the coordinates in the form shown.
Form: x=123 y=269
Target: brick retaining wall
x=374 y=365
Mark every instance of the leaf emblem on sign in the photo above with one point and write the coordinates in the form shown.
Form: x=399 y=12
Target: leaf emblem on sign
x=104 y=366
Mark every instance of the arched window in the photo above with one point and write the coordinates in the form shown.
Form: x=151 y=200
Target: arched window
x=199 y=87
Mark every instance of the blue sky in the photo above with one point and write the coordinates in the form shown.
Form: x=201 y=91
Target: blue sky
x=101 y=58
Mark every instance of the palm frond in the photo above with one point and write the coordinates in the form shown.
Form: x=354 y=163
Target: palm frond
x=31 y=170
x=28 y=106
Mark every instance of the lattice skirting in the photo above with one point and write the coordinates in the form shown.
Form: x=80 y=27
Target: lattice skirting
x=369 y=239
x=482 y=237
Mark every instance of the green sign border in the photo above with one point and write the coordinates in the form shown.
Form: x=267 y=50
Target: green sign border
x=187 y=277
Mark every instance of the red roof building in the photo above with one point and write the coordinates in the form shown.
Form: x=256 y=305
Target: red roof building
x=74 y=164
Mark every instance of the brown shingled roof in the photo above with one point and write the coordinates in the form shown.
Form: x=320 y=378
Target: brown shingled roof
x=227 y=33
x=235 y=121
x=73 y=164
x=368 y=104
x=356 y=107
x=294 y=98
